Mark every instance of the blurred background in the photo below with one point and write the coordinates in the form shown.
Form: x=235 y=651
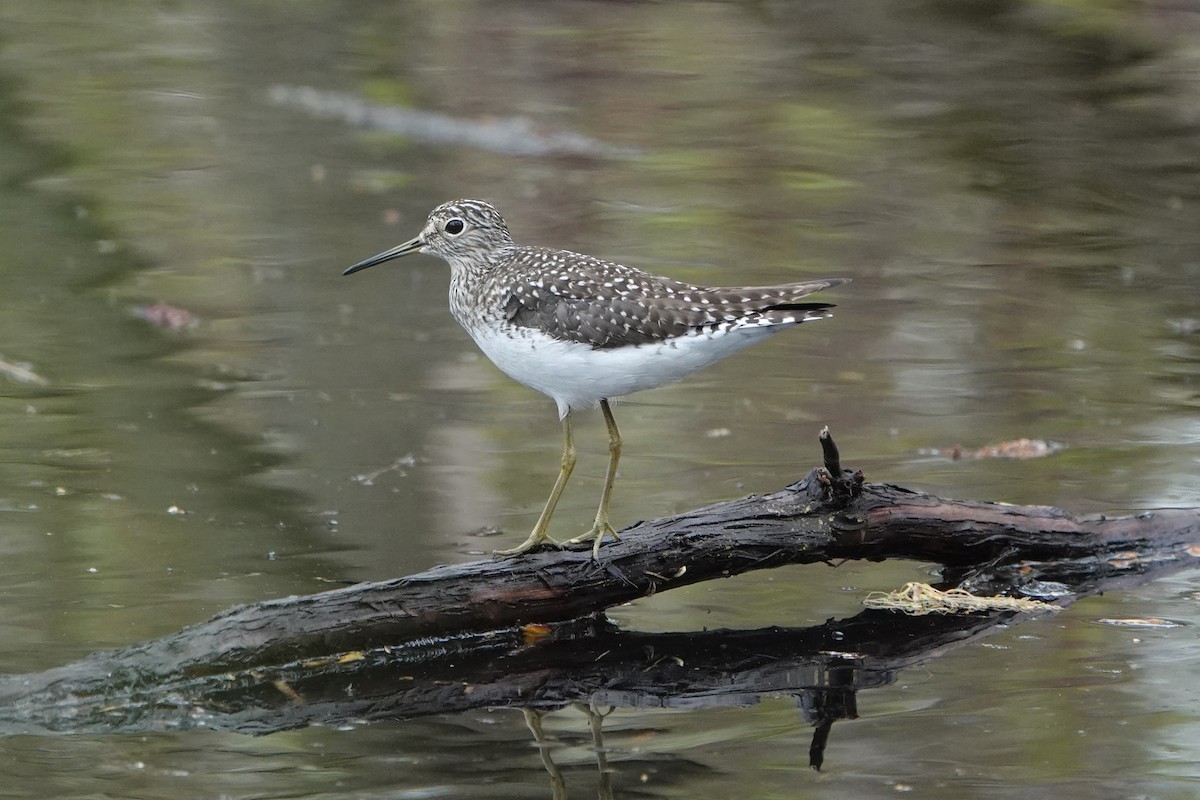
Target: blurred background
x=197 y=410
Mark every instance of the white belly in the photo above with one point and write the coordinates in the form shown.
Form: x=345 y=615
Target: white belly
x=577 y=377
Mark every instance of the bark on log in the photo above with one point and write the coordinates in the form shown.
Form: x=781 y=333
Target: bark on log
x=473 y=608
x=798 y=525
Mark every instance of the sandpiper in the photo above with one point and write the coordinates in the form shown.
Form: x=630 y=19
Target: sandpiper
x=583 y=330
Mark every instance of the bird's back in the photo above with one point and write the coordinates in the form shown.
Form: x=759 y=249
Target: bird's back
x=602 y=304
x=579 y=328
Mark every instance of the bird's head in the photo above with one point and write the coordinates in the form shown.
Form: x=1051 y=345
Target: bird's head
x=463 y=232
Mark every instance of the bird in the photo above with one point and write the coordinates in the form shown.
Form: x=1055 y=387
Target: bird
x=583 y=330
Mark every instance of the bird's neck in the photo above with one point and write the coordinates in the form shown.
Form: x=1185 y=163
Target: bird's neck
x=469 y=271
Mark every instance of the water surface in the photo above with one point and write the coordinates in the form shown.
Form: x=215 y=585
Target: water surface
x=1012 y=188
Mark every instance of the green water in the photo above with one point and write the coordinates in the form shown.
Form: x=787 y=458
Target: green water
x=1011 y=186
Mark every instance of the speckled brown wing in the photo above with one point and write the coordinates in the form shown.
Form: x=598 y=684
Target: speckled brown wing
x=577 y=298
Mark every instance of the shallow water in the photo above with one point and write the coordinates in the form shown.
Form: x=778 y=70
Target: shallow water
x=198 y=411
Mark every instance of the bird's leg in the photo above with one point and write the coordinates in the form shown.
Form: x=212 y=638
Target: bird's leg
x=539 y=534
x=602 y=527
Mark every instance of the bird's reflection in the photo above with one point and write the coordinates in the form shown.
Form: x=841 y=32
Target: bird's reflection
x=545 y=745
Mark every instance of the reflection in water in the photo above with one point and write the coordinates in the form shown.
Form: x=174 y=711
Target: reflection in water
x=586 y=661
x=533 y=720
x=512 y=136
x=595 y=718
x=596 y=725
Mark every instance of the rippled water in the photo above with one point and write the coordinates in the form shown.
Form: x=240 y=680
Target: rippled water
x=196 y=410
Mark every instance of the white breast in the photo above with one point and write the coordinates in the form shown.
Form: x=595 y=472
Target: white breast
x=577 y=376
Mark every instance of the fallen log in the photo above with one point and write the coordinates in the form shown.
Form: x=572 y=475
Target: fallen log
x=449 y=611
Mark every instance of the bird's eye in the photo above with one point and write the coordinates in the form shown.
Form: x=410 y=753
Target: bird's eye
x=454 y=226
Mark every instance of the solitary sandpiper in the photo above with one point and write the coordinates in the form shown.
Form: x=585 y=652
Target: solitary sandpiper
x=583 y=330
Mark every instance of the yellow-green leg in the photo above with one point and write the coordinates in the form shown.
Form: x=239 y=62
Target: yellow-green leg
x=539 y=534
x=601 y=527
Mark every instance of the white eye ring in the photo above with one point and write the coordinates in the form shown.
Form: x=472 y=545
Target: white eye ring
x=454 y=226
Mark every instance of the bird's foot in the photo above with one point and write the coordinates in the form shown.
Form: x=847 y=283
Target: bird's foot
x=536 y=539
x=596 y=536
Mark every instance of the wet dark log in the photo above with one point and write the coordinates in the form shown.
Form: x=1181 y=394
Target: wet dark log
x=988 y=547
x=799 y=525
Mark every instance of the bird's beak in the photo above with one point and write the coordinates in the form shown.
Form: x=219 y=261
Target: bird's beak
x=411 y=246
